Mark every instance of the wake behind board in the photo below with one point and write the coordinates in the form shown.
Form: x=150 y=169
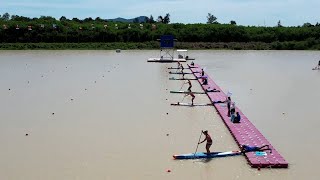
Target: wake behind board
x=189 y=104
x=202 y=155
x=186 y=92
x=172 y=78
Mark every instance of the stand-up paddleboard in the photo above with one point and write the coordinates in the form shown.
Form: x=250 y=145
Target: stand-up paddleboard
x=315 y=68
x=172 y=78
x=189 y=104
x=180 y=73
x=186 y=92
x=201 y=155
x=181 y=68
x=160 y=60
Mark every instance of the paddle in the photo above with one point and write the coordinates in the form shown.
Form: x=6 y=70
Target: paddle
x=184 y=97
x=198 y=144
x=181 y=86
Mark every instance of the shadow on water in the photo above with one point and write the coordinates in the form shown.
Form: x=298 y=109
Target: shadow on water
x=204 y=160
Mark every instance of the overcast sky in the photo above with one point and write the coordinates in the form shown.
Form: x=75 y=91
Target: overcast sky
x=244 y=12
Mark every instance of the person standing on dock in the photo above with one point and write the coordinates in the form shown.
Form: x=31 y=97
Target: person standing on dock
x=228 y=101
x=192 y=95
x=208 y=139
x=202 y=72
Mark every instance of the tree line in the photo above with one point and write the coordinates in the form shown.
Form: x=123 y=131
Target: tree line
x=19 y=29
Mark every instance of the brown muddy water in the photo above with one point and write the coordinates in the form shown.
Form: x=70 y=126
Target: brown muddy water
x=105 y=115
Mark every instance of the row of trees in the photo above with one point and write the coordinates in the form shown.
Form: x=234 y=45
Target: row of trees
x=48 y=29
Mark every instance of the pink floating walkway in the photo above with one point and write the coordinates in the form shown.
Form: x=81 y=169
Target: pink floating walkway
x=244 y=132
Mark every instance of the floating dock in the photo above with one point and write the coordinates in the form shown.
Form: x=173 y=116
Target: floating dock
x=244 y=132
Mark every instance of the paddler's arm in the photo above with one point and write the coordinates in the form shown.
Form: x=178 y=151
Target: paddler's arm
x=203 y=141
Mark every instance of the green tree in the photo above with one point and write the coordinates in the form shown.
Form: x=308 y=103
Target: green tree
x=211 y=19
x=160 y=19
x=279 y=24
x=6 y=16
x=151 y=20
x=232 y=22
x=307 y=25
x=89 y=19
x=166 y=19
x=63 y=18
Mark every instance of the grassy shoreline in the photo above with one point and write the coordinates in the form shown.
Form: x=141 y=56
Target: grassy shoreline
x=292 y=45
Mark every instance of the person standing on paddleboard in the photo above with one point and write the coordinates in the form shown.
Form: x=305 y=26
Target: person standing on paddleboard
x=182 y=68
x=208 y=139
x=190 y=85
x=192 y=95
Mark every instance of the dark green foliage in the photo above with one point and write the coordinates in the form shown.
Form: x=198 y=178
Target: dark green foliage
x=47 y=29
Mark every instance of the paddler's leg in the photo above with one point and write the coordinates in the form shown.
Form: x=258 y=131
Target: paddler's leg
x=192 y=100
x=208 y=145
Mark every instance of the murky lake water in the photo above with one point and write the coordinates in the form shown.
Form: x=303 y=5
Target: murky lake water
x=103 y=115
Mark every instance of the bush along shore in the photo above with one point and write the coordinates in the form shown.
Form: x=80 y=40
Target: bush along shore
x=291 y=45
x=46 y=32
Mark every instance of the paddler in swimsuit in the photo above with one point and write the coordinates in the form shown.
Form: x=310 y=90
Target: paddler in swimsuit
x=190 y=85
x=209 y=141
x=182 y=68
x=192 y=95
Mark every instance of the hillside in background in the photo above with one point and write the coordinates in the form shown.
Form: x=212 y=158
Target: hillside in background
x=140 y=19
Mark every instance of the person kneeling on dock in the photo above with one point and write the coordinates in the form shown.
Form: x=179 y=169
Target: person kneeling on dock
x=192 y=95
x=208 y=139
x=204 y=81
x=235 y=118
x=192 y=63
x=245 y=148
